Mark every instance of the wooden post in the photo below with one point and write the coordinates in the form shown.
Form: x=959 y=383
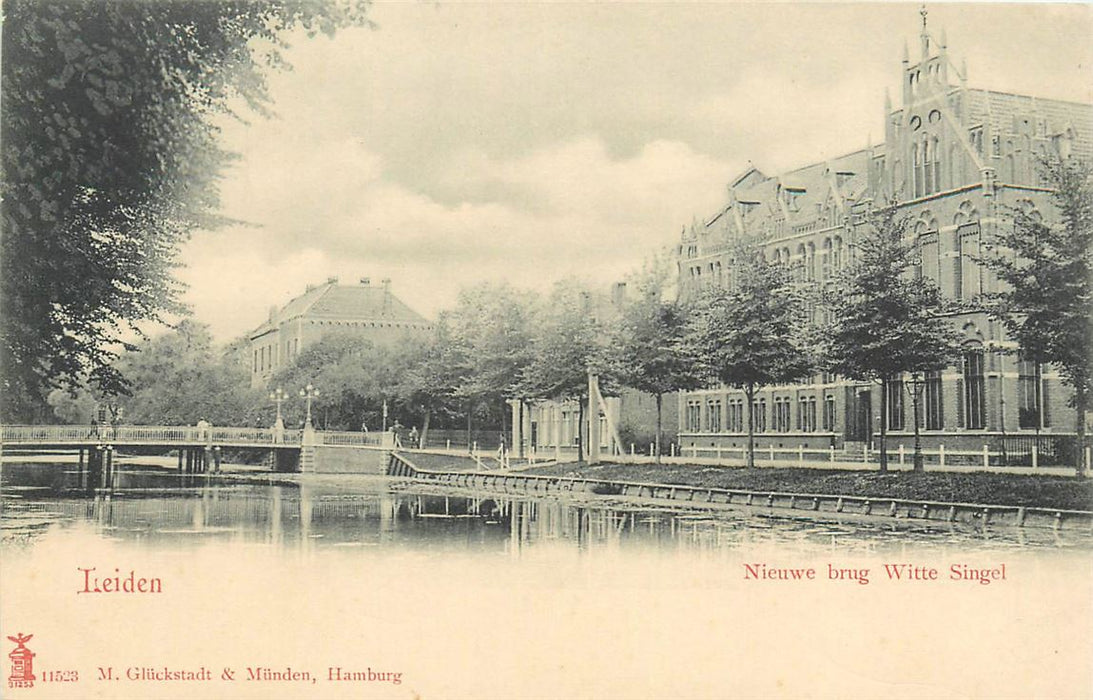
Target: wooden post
x=901 y=454
x=832 y=453
x=941 y=455
x=986 y=457
x=1035 y=455
x=801 y=455
x=593 y=451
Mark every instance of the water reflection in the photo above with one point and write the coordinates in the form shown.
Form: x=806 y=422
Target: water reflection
x=163 y=509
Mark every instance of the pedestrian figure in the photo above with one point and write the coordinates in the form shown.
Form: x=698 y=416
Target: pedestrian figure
x=414 y=440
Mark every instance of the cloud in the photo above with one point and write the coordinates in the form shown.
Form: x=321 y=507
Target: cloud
x=569 y=208
x=460 y=142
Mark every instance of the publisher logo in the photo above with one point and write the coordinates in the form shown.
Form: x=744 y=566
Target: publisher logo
x=22 y=663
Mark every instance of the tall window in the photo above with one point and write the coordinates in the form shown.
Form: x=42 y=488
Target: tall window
x=759 y=415
x=806 y=414
x=894 y=412
x=1030 y=395
x=694 y=416
x=975 y=409
x=713 y=419
x=966 y=277
x=735 y=416
x=927 y=247
x=935 y=418
x=780 y=420
x=829 y=413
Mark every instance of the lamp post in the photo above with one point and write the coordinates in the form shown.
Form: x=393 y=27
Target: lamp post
x=915 y=388
x=309 y=392
x=278 y=396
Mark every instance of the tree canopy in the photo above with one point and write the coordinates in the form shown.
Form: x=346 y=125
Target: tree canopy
x=1046 y=268
x=886 y=320
x=110 y=160
x=750 y=335
x=649 y=349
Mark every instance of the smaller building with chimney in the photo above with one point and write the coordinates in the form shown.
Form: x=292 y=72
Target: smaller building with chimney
x=370 y=312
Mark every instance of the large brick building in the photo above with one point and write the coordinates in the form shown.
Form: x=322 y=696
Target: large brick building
x=368 y=312
x=955 y=158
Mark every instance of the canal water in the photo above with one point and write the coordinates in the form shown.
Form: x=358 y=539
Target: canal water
x=474 y=595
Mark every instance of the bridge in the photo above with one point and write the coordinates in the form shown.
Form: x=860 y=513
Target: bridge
x=198 y=446
x=57 y=436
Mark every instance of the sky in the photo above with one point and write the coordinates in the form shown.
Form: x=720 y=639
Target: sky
x=459 y=143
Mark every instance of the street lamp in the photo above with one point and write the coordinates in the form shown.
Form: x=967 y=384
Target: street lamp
x=278 y=396
x=309 y=392
x=915 y=388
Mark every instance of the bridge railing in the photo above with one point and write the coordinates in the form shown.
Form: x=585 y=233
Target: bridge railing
x=337 y=437
x=145 y=434
x=178 y=435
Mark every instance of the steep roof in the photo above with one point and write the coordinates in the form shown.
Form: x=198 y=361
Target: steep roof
x=343 y=302
x=999 y=110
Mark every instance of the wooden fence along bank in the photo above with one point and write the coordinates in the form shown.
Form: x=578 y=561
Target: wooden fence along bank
x=789 y=504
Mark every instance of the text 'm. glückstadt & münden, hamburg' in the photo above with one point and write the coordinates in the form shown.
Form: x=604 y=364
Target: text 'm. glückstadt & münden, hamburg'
x=909 y=573
x=287 y=674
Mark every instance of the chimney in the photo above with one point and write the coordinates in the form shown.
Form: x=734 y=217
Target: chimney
x=331 y=280
x=366 y=281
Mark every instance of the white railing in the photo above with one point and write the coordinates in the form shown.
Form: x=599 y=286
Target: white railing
x=897 y=454
x=336 y=437
x=178 y=435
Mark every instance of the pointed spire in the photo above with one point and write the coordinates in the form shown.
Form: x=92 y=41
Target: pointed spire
x=924 y=35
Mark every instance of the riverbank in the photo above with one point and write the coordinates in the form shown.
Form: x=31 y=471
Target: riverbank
x=1066 y=493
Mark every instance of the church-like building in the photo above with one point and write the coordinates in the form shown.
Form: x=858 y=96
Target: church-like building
x=956 y=159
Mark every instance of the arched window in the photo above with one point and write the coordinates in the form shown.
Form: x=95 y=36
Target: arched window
x=974 y=400
x=825 y=260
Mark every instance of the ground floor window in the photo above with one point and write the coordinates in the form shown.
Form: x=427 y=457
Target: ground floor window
x=894 y=413
x=1030 y=395
x=933 y=400
x=713 y=410
x=806 y=414
x=780 y=419
x=735 y=417
x=975 y=408
x=694 y=416
x=759 y=415
x=829 y=413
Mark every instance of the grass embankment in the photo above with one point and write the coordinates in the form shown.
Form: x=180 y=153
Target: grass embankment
x=1061 y=492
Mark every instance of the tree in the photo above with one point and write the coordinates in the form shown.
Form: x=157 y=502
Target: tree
x=179 y=377
x=354 y=377
x=491 y=332
x=110 y=160
x=885 y=320
x=1047 y=271
x=648 y=345
x=567 y=346
x=428 y=377
x=750 y=336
